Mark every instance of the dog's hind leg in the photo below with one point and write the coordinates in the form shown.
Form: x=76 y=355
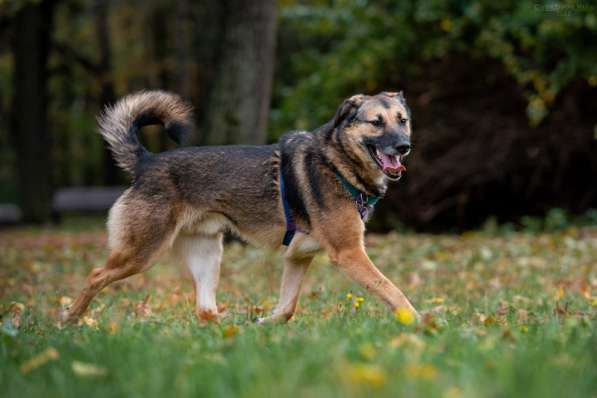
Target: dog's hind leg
x=297 y=259
x=137 y=236
x=118 y=266
x=202 y=254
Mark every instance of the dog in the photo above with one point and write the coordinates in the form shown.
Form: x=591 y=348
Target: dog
x=312 y=192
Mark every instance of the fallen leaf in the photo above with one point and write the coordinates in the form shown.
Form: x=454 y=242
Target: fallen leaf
x=87 y=369
x=40 y=359
x=113 y=327
x=16 y=310
x=371 y=375
x=435 y=300
x=367 y=351
x=453 y=392
x=230 y=331
x=89 y=321
x=143 y=309
x=407 y=340
x=65 y=301
x=522 y=315
x=423 y=371
x=486 y=320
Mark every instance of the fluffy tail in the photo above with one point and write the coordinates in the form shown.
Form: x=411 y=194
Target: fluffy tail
x=120 y=123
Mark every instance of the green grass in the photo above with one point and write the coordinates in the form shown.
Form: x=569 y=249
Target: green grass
x=508 y=315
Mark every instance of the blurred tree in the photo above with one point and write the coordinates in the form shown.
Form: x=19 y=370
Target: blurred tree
x=239 y=97
x=104 y=75
x=503 y=97
x=30 y=130
x=530 y=68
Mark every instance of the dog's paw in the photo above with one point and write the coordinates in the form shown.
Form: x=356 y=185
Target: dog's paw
x=66 y=318
x=205 y=317
x=274 y=318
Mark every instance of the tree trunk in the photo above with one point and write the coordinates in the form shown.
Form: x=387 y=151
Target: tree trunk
x=107 y=95
x=239 y=98
x=30 y=46
x=160 y=39
x=182 y=44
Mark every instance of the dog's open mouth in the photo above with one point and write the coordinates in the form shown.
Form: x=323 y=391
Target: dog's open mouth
x=390 y=165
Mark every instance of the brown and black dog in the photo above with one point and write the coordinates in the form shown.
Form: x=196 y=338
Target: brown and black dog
x=310 y=191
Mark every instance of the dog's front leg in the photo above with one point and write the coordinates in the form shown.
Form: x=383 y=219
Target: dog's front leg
x=355 y=263
x=292 y=278
x=297 y=259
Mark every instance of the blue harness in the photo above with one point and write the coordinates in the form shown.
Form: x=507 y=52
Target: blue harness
x=363 y=202
x=290 y=224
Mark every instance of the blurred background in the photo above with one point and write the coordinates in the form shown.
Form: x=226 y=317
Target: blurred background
x=503 y=95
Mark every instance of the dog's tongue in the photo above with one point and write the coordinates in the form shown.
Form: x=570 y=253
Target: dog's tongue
x=391 y=162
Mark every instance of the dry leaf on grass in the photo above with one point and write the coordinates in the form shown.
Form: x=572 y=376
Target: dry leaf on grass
x=40 y=359
x=143 y=309
x=371 y=375
x=84 y=369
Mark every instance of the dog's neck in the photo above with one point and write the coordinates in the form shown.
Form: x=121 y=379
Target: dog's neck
x=340 y=162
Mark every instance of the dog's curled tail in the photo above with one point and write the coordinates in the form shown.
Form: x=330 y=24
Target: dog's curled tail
x=120 y=123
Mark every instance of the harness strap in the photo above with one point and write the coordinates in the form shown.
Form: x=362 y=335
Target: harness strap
x=290 y=224
x=363 y=202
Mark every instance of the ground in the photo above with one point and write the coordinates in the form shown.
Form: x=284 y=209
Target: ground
x=507 y=314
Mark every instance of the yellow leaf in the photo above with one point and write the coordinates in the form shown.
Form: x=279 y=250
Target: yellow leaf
x=87 y=369
x=436 y=300
x=452 y=392
x=16 y=307
x=486 y=320
x=559 y=293
x=407 y=340
x=371 y=375
x=65 y=301
x=424 y=372
x=113 y=327
x=89 y=321
x=40 y=359
x=368 y=351
x=231 y=331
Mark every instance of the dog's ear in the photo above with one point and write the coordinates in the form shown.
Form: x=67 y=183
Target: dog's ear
x=348 y=108
x=395 y=94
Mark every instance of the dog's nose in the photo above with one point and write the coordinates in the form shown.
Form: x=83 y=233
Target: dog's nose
x=403 y=148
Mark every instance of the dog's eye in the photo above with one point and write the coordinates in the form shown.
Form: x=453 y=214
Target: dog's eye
x=403 y=121
x=377 y=122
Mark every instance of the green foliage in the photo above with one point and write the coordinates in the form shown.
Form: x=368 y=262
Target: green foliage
x=508 y=316
x=347 y=46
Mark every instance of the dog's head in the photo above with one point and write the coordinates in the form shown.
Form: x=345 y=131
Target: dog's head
x=375 y=131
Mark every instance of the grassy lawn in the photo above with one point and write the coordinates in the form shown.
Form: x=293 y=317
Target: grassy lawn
x=507 y=315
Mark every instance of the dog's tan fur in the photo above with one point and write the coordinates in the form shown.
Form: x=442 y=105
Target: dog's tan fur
x=186 y=198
